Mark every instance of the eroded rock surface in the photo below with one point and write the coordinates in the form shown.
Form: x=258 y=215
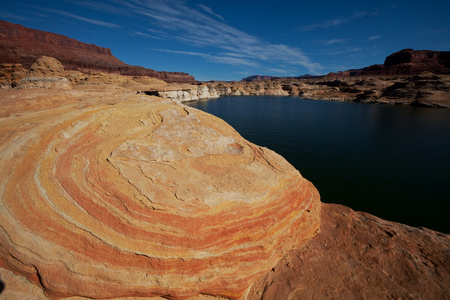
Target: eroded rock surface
x=107 y=194
x=11 y=75
x=46 y=72
x=359 y=256
x=405 y=62
x=425 y=89
x=22 y=45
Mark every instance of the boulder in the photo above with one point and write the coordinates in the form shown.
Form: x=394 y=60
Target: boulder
x=47 y=72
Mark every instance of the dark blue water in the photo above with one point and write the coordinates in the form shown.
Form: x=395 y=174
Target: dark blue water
x=390 y=161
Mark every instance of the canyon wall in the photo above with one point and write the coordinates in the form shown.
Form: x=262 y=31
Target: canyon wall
x=405 y=62
x=22 y=45
x=425 y=89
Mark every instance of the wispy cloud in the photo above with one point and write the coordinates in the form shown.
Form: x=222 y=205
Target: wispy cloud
x=138 y=33
x=210 y=11
x=333 y=41
x=333 y=22
x=8 y=15
x=201 y=27
x=81 y=18
x=435 y=31
x=341 y=51
x=282 y=72
x=230 y=60
x=373 y=37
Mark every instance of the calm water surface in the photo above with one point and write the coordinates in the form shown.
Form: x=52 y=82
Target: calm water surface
x=390 y=161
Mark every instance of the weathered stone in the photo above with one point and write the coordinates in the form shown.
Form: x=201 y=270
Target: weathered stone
x=107 y=195
x=19 y=44
x=11 y=74
x=47 y=72
x=359 y=256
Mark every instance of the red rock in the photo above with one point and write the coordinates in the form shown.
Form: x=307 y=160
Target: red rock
x=405 y=62
x=114 y=194
x=359 y=256
x=22 y=45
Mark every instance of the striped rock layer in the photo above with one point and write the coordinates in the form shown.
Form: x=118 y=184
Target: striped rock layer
x=125 y=195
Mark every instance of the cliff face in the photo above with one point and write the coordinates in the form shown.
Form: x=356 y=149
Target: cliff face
x=22 y=45
x=425 y=89
x=405 y=62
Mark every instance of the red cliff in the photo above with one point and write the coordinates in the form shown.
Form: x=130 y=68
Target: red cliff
x=405 y=62
x=19 y=44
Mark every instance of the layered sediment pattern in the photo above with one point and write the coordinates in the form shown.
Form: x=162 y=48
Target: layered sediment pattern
x=130 y=195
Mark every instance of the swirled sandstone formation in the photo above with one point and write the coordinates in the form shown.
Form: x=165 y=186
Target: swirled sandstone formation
x=107 y=195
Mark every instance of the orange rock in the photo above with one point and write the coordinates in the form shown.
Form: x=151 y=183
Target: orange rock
x=46 y=72
x=107 y=195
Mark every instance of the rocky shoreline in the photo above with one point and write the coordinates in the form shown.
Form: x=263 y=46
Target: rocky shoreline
x=425 y=89
x=96 y=169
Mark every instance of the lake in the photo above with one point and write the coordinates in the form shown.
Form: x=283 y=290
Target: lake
x=390 y=161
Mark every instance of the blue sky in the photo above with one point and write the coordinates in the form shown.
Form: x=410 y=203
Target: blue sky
x=229 y=40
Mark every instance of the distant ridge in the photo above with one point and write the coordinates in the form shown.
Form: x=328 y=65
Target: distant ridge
x=19 y=44
x=267 y=77
x=405 y=62
x=259 y=77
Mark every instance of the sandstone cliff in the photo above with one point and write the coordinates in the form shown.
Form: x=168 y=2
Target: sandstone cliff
x=22 y=45
x=425 y=89
x=405 y=62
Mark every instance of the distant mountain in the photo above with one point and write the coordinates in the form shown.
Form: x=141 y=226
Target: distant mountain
x=405 y=62
x=19 y=44
x=268 y=77
x=258 y=78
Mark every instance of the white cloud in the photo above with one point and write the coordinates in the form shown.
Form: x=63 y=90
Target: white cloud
x=341 y=51
x=235 y=61
x=77 y=17
x=203 y=28
x=210 y=11
x=373 y=37
x=144 y=35
x=334 y=41
x=7 y=15
x=334 y=22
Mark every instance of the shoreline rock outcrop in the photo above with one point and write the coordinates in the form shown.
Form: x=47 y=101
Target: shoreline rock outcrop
x=425 y=89
x=111 y=194
x=359 y=256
